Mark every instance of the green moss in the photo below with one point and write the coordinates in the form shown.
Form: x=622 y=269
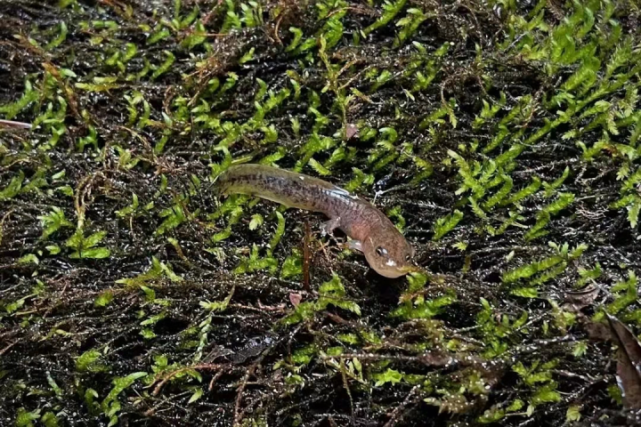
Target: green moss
x=478 y=140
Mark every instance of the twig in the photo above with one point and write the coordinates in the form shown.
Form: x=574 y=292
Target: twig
x=349 y=393
x=215 y=378
x=68 y=92
x=4 y=218
x=435 y=358
x=4 y=350
x=81 y=192
x=172 y=374
x=530 y=348
x=280 y=42
x=397 y=413
x=238 y=413
x=261 y=308
x=208 y=17
x=14 y=125
x=306 y=257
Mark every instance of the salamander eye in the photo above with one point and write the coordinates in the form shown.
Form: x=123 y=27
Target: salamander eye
x=408 y=257
x=381 y=251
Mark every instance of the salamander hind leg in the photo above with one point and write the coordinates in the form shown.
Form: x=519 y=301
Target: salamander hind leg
x=331 y=225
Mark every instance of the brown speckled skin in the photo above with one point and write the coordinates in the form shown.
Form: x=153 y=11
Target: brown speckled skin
x=384 y=247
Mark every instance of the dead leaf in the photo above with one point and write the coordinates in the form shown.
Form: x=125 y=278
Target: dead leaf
x=628 y=363
x=584 y=297
x=295 y=298
x=351 y=131
x=598 y=331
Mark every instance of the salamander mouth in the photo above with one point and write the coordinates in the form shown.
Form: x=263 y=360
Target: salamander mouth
x=399 y=271
x=410 y=268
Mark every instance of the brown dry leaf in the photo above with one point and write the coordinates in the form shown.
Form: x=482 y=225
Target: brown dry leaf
x=597 y=331
x=295 y=298
x=584 y=297
x=351 y=131
x=628 y=364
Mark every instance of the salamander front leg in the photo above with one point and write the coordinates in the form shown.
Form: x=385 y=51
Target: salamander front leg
x=355 y=245
x=331 y=225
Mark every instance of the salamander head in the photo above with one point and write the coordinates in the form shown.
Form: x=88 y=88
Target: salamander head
x=389 y=254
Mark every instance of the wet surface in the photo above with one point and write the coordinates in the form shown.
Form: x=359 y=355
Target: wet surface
x=117 y=258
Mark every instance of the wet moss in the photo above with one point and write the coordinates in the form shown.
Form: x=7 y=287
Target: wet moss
x=501 y=138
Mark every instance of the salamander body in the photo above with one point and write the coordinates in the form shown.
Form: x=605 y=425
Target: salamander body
x=372 y=233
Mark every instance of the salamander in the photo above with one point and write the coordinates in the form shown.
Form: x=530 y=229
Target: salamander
x=370 y=230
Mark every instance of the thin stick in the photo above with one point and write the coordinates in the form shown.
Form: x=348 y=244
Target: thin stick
x=397 y=413
x=306 y=257
x=194 y=367
x=4 y=350
x=215 y=378
x=349 y=393
x=238 y=413
x=427 y=359
x=14 y=125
